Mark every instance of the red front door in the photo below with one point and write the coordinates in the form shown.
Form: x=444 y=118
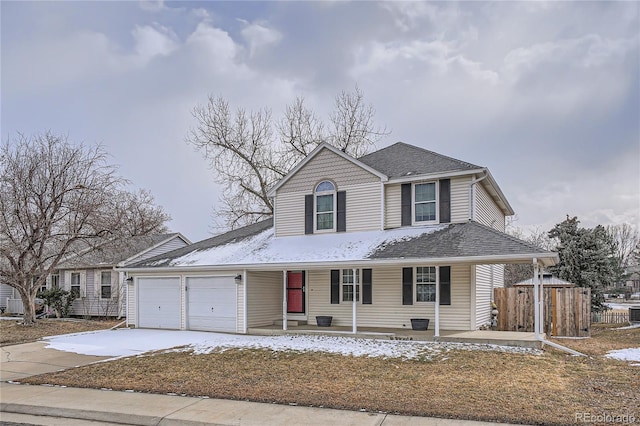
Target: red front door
x=295 y=292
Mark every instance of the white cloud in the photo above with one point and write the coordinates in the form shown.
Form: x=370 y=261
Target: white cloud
x=153 y=41
x=258 y=35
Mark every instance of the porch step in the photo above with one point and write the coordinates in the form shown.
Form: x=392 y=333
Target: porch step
x=291 y=323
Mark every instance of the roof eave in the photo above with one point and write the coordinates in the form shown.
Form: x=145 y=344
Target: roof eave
x=439 y=175
x=546 y=258
x=501 y=199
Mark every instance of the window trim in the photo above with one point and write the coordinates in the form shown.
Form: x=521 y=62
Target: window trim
x=358 y=285
x=436 y=201
x=102 y=285
x=435 y=284
x=334 y=212
x=79 y=285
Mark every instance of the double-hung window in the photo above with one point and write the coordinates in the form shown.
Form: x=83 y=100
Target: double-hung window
x=424 y=202
x=348 y=282
x=325 y=206
x=75 y=284
x=426 y=284
x=55 y=281
x=43 y=285
x=105 y=284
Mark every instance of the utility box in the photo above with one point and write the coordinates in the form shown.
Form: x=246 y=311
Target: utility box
x=634 y=314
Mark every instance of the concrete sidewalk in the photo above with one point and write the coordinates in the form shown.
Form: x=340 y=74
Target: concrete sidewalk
x=150 y=409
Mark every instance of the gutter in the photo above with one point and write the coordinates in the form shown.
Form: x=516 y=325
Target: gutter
x=472 y=194
x=546 y=258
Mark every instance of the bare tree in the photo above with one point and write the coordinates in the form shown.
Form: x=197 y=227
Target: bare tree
x=626 y=238
x=516 y=272
x=57 y=199
x=249 y=152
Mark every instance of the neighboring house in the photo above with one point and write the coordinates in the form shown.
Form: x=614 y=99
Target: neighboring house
x=633 y=279
x=92 y=275
x=400 y=233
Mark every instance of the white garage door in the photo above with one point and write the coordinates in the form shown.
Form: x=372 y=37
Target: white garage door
x=159 y=303
x=211 y=304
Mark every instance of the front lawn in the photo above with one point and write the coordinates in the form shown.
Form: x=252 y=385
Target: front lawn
x=484 y=385
x=12 y=332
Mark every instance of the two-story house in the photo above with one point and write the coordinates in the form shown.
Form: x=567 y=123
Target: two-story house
x=400 y=233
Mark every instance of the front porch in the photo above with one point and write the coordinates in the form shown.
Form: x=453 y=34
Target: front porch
x=502 y=338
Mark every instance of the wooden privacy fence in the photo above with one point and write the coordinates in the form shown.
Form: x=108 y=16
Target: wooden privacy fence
x=567 y=311
x=609 y=317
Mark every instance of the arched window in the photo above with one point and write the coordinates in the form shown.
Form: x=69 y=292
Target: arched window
x=325 y=207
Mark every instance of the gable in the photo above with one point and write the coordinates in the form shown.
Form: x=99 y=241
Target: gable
x=327 y=165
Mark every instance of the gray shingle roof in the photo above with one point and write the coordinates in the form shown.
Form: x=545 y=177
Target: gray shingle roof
x=457 y=240
x=111 y=253
x=401 y=160
x=465 y=240
x=219 y=240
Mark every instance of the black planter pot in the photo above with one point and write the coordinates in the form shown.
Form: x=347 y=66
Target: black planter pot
x=323 y=320
x=419 y=324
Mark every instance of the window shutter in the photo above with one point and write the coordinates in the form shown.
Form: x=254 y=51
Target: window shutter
x=407 y=286
x=445 y=285
x=335 y=286
x=97 y=283
x=341 y=216
x=366 y=287
x=405 y=202
x=308 y=214
x=83 y=284
x=445 y=200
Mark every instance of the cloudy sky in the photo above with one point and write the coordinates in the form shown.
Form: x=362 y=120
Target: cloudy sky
x=546 y=95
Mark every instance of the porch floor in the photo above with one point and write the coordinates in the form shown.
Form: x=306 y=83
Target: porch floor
x=503 y=338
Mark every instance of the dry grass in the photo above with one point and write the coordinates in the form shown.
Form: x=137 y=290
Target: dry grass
x=492 y=386
x=13 y=332
x=604 y=338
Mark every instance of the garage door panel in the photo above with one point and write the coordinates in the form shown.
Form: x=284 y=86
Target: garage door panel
x=159 y=303
x=211 y=304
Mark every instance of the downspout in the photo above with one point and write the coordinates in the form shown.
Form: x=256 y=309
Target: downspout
x=381 y=206
x=472 y=195
x=284 y=300
x=355 y=303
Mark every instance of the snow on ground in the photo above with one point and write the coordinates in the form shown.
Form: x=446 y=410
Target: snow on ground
x=128 y=342
x=629 y=354
x=621 y=306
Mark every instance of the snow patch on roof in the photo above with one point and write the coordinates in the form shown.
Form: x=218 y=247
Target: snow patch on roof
x=265 y=248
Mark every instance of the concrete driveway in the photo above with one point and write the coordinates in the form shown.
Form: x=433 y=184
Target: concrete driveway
x=29 y=359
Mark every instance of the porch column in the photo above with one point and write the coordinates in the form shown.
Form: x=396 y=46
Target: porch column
x=437 y=307
x=284 y=300
x=541 y=301
x=355 y=304
x=536 y=298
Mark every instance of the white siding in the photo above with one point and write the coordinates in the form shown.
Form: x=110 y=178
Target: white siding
x=327 y=165
x=485 y=276
x=487 y=211
x=460 y=188
x=392 y=206
x=387 y=309
x=363 y=207
x=175 y=243
x=290 y=214
x=264 y=299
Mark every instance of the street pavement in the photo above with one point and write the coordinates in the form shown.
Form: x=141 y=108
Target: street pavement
x=55 y=405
